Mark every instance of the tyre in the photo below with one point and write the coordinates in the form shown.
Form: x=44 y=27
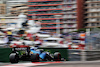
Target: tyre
x=34 y=57
x=57 y=56
x=14 y=58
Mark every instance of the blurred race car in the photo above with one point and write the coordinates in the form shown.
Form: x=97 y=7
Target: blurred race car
x=33 y=55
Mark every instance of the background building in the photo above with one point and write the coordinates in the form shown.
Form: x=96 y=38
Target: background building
x=3 y=1
x=45 y=11
x=2 y=9
x=6 y=22
x=70 y=11
x=69 y=15
x=10 y=3
x=17 y=9
x=73 y=15
x=92 y=13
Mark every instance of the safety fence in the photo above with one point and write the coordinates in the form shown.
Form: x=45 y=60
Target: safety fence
x=92 y=39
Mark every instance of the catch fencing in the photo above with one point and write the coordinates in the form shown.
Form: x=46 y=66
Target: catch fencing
x=92 y=41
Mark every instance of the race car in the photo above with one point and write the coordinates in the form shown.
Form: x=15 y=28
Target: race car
x=33 y=55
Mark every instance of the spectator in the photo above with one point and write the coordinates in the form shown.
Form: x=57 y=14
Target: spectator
x=30 y=36
x=25 y=24
x=6 y=40
x=10 y=36
x=21 y=32
x=9 y=33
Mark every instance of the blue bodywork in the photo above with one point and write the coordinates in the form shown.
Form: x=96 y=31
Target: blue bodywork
x=41 y=55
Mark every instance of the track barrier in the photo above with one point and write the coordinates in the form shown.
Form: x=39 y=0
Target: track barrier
x=83 y=55
x=4 y=54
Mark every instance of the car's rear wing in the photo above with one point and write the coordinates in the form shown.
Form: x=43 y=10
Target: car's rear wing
x=21 y=49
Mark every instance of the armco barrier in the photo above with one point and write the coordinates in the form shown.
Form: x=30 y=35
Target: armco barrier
x=83 y=55
x=74 y=55
x=4 y=54
x=92 y=55
x=63 y=51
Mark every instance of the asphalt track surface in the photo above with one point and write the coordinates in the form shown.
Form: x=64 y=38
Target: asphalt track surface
x=54 y=64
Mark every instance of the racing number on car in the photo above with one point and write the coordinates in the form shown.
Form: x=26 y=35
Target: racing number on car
x=31 y=52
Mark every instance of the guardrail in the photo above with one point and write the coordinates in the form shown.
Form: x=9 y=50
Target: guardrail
x=74 y=55
x=83 y=55
x=4 y=54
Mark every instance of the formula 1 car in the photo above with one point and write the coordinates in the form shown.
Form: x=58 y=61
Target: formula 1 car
x=33 y=55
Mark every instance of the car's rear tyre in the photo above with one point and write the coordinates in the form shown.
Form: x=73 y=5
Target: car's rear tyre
x=14 y=58
x=57 y=56
x=34 y=57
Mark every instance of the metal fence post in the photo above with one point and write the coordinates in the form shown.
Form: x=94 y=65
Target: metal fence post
x=83 y=55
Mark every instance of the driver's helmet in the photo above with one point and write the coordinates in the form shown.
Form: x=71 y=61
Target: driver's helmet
x=41 y=50
x=34 y=48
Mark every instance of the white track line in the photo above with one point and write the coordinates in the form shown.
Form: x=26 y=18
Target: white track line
x=25 y=64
